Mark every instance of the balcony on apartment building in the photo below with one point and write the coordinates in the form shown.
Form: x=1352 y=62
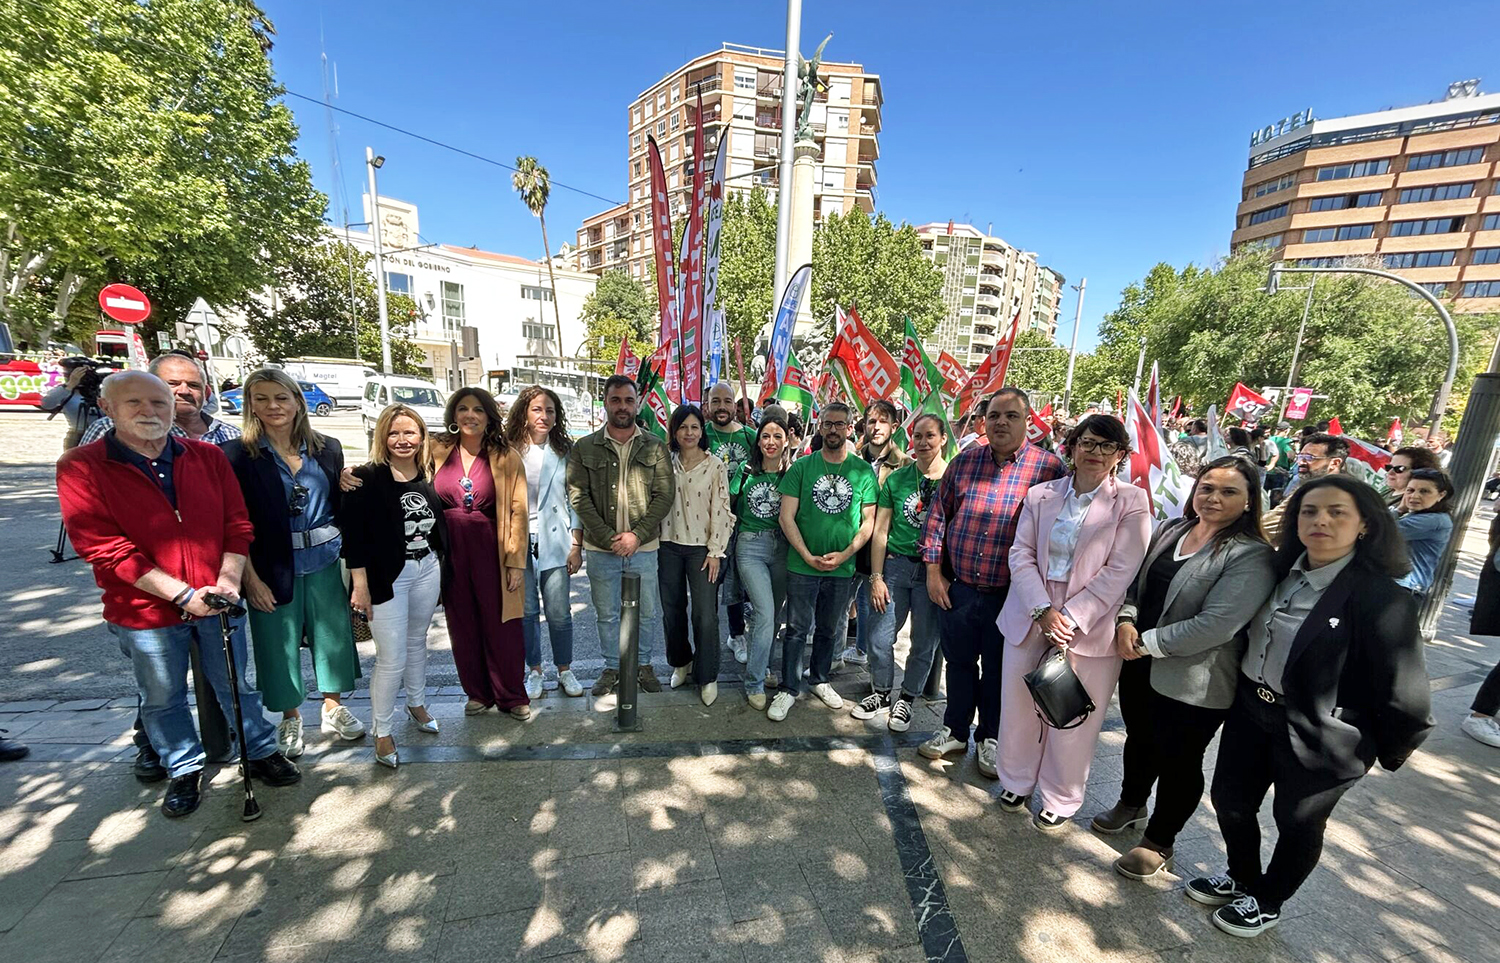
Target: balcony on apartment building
x=705 y=85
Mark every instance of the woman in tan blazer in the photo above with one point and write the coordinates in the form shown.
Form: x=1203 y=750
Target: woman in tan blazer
x=482 y=484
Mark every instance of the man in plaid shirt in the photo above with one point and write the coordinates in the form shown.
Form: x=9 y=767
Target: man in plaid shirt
x=966 y=546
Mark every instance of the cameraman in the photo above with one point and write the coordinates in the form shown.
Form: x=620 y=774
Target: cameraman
x=77 y=398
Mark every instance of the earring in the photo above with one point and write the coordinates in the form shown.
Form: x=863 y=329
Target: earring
x=1361 y=537
x=453 y=429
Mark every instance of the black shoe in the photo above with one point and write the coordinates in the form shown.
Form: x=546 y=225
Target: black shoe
x=182 y=796
x=1245 y=917
x=1011 y=802
x=275 y=770
x=148 y=767
x=10 y=749
x=1214 y=890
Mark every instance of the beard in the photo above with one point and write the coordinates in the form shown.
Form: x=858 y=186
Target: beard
x=721 y=417
x=835 y=440
x=622 y=418
x=150 y=429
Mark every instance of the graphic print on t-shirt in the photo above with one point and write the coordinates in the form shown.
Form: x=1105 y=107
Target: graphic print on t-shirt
x=832 y=494
x=419 y=521
x=733 y=453
x=912 y=508
x=764 y=499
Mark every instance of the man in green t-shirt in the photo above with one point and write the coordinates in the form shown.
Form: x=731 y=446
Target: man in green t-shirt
x=732 y=442
x=827 y=514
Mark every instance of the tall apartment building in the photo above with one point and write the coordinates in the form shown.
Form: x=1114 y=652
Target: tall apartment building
x=741 y=88
x=985 y=283
x=1417 y=187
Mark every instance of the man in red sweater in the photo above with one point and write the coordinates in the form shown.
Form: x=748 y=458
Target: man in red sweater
x=163 y=523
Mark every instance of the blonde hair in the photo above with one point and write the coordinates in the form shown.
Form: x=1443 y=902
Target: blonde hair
x=380 y=454
x=252 y=429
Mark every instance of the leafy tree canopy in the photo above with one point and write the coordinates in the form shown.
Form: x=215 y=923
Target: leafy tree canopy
x=619 y=307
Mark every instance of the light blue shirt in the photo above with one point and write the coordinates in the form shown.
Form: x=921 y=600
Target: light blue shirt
x=317 y=510
x=1426 y=535
x=1064 y=540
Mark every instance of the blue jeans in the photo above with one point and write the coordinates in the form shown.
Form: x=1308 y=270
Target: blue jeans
x=907 y=581
x=605 y=569
x=820 y=604
x=160 y=659
x=864 y=614
x=554 y=600
x=760 y=559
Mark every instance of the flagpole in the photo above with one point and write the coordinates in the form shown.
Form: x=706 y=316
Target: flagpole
x=1140 y=362
x=1073 y=351
x=788 y=136
x=1286 y=394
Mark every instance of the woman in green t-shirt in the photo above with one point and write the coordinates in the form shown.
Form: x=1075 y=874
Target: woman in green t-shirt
x=760 y=547
x=898 y=578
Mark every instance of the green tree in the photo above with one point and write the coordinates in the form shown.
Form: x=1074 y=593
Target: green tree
x=147 y=144
x=1038 y=365
x=879 y=267
x=310 y=314
x=1373 y=348
x=619 y=307
x=534 y=184
x=747 y=261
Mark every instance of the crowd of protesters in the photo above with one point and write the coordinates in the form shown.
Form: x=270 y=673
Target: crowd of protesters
x=1279 y=612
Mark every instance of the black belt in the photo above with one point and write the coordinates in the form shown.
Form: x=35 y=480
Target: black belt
x=419 y=555
x=987 y=589
x=1261 y=692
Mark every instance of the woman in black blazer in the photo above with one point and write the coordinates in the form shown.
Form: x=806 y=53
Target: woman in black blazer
x=290 y=477
x=395 y=544
x=1332 y=680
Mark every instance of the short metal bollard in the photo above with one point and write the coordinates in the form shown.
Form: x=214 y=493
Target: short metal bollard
x=626 y=716
x=933 y=690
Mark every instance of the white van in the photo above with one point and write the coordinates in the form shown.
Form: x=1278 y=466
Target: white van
x=342 y=378
x=384 y=390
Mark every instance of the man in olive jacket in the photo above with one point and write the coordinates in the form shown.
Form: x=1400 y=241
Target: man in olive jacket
x=620 y=483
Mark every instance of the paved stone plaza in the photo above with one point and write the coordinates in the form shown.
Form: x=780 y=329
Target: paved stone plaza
x=710 y=835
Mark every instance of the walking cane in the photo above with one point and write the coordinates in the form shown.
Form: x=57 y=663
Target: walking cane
x=228 y=610
x=59 y=552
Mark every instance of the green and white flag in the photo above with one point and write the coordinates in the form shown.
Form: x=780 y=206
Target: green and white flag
x=794 y=388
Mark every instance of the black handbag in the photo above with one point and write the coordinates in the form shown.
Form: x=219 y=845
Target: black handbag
x=1061 y=700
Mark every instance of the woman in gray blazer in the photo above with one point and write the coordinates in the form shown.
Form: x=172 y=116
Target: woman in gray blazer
x=536 y=428
x=1181 y=634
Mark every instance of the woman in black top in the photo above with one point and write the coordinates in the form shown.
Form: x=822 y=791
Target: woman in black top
x=394 y=543
x=1332 y=680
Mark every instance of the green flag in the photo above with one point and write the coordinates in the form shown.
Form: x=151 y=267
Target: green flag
x=932 y=405
x=919 y=376
x=794 y=389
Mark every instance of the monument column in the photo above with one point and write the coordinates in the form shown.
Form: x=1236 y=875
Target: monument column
x=799 y=251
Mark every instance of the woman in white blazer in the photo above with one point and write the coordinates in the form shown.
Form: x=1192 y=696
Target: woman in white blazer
x=537 y=429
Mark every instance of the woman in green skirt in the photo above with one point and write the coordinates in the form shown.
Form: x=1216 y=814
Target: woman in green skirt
x=290 y=476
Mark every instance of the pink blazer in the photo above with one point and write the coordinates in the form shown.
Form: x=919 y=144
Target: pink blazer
x=1111 y=545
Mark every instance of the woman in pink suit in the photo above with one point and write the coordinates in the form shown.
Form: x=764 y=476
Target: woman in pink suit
x=1079 y=543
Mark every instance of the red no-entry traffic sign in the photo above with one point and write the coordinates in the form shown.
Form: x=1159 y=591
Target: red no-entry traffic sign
x=124 y=303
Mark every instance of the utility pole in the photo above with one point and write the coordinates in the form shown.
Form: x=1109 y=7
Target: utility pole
x=374 y=163
x=788 y=137
x=1073 y=351
x=1286 y=396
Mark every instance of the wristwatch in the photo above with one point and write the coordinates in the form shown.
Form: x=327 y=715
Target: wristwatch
x=1038 y=612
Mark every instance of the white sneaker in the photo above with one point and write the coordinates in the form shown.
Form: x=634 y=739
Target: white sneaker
x=984 y=758
x=289 y=737
x=533 y=683
x=709 y=693
x=830 y=698
x=680 y=676
x=941 y=744
x=853 y=656
x=341 y=722
x=780 y=706
x=757 y=700
x=740 y=647
x=570 y=683
x=1482 y=728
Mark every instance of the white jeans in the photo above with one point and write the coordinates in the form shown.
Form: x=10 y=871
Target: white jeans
x=400 y=630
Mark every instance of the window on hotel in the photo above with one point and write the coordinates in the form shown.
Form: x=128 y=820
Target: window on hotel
x=536 y=292
x=1437 y=192
x=1262 y=243
x=1271 y=187
x=1445 y=158
x=1491 y=222
x=1431 y=225
x=1360 y=169
x=661 y=100
x=1481 y=289
x=1349 y=232
x=1438 y=289
x=1419 y=259
x=1269 y=214
x=397 y=283
x=1485 y=255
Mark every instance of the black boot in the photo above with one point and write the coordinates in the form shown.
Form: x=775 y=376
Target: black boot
x=148 y=767
x=183 y=795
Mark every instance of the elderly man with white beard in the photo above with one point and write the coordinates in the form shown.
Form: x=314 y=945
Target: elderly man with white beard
x=163 y=523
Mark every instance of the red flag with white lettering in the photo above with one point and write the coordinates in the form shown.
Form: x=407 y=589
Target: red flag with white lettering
x=628 y=363
x=1151 y=465
x=1245 y=404
x=661 y=234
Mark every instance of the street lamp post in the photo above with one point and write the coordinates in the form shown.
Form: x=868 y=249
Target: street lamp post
x=374 y=163
x=788 y=137
x=1073 y=351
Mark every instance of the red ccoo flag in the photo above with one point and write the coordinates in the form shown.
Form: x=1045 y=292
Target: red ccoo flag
x=1334 y=428
x=628 y=363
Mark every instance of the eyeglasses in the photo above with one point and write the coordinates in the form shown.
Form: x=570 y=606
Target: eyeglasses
x=835 y=424
x=1304 y=457
x=467 y=484
x=1397 y=469
x=1102 y=447
x=299 y=500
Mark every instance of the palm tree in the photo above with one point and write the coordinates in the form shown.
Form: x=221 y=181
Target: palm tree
x=534 y=184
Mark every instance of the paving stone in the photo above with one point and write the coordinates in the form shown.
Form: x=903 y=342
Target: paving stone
x=669 y=849
x=694 y=912
x=82 y=705
x=78 y=920
x=400 y=918
x=763 y=887
x=487 y=887
x=138 y=840
x=774 y=938
x=27 y=705
x=31 y=863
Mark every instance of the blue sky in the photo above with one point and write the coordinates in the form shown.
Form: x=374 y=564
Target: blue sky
x=1106 y=136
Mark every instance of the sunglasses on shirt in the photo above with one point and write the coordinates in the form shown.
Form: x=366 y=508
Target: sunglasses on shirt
x=299 y=500
x=467 y=484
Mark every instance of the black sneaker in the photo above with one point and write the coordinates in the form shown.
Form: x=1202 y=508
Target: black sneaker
x=872 y=705
x=183 y=795
x=900 y=719
x=1213 y=890
x=1244 y=917
x=1050 y=822
x=1011 y=802
x=275 y=770
x=11 y=749
x=147 y=766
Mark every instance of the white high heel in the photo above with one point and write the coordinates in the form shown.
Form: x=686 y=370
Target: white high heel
x=431 y=725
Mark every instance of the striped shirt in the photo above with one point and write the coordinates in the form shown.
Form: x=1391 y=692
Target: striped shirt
x=974 y=516
x=218 y=431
